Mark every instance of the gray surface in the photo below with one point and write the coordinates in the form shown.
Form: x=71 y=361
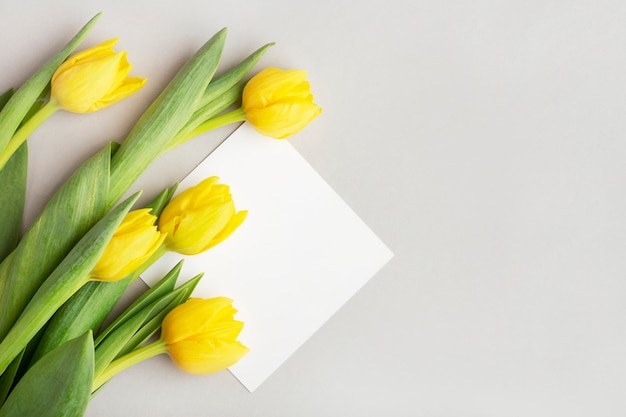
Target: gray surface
x=483 y=141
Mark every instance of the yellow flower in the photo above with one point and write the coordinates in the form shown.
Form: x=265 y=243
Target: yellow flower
x=200 y=218
x=134 y=241
x=279 y=103
x=201 y=335
x=93 y=79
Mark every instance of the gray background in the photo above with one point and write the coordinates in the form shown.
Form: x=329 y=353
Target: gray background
x=483 y=141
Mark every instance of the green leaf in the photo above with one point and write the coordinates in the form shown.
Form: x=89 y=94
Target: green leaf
x=19 y=366
x=73 y=210
x=85 y=310
x=139 y=326
x=224 y=82
x=158 y=204
x=151 y=326
x=109 y=348
x=165 y=117
x=20 y=103
x=4 y=97
x=7 y=379
x=164 y=286
x=66 y=279
x=13 y=186
x=203 y=121
x=59 y=385
x=38 y=104
x=12 y=200
x=91 y=304
x=221 y=93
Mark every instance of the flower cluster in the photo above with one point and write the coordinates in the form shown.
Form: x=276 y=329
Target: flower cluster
x=61 y=278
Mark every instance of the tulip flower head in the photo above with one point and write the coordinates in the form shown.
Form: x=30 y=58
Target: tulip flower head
x=133 y=243
x=200 y=218
x=88 y=81
x=279 y=103
x=93 y=79
x=201 y=335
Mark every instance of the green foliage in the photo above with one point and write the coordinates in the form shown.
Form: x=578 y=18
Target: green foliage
x=143 y=319
x=158 y=126
x=59 y=385
x=21 y=102
x=66 y=279
x=73 y=210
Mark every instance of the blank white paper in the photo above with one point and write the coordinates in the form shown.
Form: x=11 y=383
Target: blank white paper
x=298 y=257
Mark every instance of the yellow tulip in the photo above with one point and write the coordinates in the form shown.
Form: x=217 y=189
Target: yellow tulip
x=200 y=218
x=201 y=335
x=134 y=241
x=279 y=103
x=93 y=79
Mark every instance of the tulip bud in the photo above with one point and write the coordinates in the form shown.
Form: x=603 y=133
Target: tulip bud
x=93 y=79
x=201 y=335
x=200 y=218
x=279 y=103
x=134 y=241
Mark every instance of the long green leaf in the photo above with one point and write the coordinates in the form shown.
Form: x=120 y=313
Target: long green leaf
x=224 y=82
x=59 y=385
x=151 y=326
x=12 y=197
x=90 y=306
x=75 y=207
x=212 y=101
x=85 y=310
x=8 y=377
x=165 y=117
x=62 y=283
x=13 y=185
x=157 y=205
x=129 y=334
x=20 y=103
x=4 y=97
x=11 y=200
x=164 y=286
x=107 y=351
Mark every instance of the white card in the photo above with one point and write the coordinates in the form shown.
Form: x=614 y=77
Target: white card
x=298 y=257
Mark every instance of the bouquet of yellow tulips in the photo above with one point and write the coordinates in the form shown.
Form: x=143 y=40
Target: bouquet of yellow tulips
x=61 y=278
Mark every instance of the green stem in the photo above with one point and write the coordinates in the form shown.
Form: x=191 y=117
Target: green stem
x=234 y=116
x=127 y=361
x=26 y=130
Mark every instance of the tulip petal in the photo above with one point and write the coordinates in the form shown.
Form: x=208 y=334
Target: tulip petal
x=230 y=227
x=129 y=87
x=103 y=49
